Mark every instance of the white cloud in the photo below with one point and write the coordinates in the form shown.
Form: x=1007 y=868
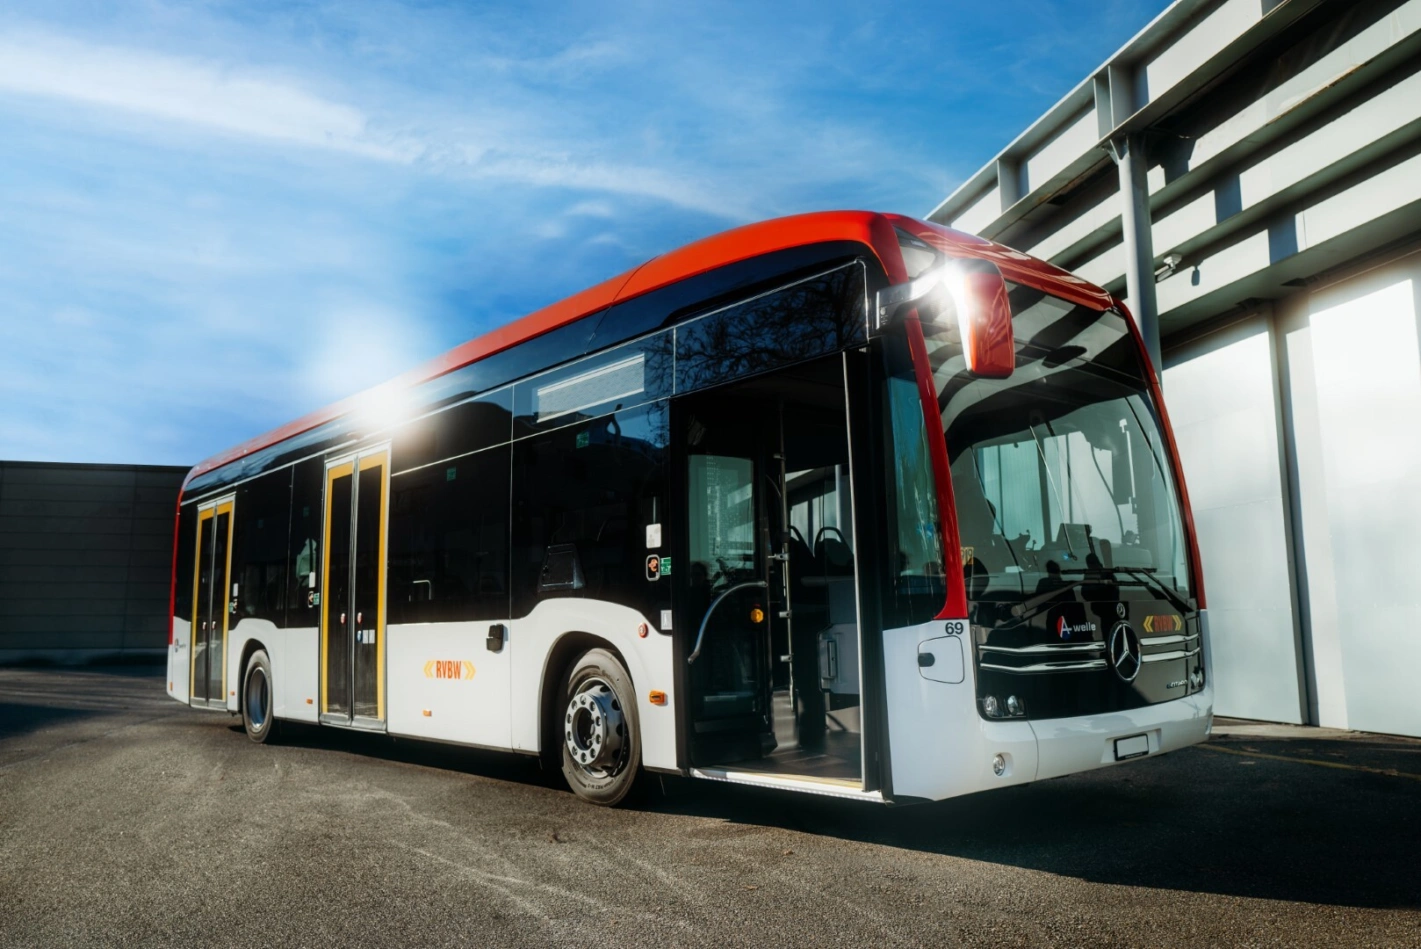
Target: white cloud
x=204 y=94
x=189 y=91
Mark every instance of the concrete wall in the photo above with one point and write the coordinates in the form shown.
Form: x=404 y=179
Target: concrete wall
x=1223 y=402
x=1355 y=393
x=1300 y=432
x=85 y=558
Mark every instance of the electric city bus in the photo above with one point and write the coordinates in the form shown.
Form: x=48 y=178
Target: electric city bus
x=842 y=503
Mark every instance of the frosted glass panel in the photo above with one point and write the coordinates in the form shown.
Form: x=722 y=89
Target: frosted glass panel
x=1223 y=406
x=1368 y=374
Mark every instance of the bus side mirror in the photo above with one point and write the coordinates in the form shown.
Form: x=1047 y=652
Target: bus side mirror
x=974 y=293
x=983 y=317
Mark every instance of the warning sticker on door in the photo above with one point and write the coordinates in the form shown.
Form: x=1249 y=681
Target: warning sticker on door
x=653 y=567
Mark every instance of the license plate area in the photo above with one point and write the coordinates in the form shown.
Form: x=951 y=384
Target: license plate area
x=1135 y=746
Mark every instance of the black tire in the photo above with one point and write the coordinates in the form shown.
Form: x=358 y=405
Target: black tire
x=258 y=699
x=598 y=729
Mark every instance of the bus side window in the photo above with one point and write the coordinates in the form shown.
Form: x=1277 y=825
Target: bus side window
x=303 y=561
x=259 y=546
x=449 y=540
x=918 y=587
x=579 y=510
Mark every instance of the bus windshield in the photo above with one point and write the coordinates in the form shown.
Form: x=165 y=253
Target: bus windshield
x=1060 y=472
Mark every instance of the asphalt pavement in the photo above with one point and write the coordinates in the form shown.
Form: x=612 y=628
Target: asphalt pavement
x=127 y=819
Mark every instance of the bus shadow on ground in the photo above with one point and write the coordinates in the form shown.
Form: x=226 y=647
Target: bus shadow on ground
x=496 y=765
x=1200 y=819
x=18 y=719
x=1196 y=820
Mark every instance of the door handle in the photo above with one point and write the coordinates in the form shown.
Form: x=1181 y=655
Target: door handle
x=497 y=636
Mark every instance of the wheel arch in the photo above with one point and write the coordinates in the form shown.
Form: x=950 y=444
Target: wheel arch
x=566 y=650
x=252 y=645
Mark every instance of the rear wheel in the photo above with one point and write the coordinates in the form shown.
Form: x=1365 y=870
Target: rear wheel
x=257 y=702
x=601 y=744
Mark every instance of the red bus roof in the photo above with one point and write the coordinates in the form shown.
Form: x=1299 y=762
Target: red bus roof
x=865 y=227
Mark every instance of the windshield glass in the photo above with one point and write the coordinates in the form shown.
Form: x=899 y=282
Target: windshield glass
x=1060 y=471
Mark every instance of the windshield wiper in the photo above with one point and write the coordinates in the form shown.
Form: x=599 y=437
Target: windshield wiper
x=1140 y=575
x=1144 y=575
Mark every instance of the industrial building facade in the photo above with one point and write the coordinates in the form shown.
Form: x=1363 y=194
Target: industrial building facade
x=1247 y=173
x=86 y=556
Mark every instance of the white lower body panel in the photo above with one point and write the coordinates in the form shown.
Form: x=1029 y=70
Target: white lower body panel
x=445 y=683
x=940 y=746
x=180 y=661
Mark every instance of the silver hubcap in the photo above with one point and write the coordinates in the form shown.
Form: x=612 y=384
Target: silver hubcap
x=595 y=730
x=257 y=699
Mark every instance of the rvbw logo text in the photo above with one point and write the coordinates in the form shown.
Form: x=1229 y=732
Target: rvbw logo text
x=448 y=669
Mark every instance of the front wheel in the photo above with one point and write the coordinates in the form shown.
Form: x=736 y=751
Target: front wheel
x=257 y=703
x=601 y=744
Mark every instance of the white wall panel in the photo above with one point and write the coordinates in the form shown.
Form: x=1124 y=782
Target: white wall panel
x=1076 y=138
x=1316 y=578
x=982 y=212
x=1087 y=223
x=1223 y=405
x=1368 y=388
x=1187 y=53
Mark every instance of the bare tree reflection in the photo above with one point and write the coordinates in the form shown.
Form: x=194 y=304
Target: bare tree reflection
x=818 y=316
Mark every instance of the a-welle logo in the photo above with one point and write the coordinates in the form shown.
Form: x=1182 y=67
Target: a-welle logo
x=449 y=669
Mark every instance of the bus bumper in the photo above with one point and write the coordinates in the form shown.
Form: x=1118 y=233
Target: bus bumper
x=940 y=746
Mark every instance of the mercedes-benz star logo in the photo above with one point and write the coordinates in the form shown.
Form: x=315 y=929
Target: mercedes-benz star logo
x=1125 y=652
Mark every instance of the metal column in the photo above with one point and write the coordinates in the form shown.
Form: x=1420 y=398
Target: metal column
x=1136 y=223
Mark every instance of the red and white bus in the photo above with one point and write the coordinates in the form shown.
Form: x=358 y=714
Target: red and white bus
x=843 y=503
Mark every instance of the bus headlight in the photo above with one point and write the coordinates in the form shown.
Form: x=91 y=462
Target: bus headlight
x=999 y=765
x=989 y=705
x=1014 y=707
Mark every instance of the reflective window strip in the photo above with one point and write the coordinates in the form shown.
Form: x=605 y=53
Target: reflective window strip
x=618 y=380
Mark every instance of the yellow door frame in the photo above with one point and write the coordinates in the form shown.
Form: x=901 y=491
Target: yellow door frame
x=351 y=465
x=333 y=471
x=210 y=511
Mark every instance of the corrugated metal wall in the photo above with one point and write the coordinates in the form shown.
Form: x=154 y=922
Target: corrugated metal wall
x=85 y=557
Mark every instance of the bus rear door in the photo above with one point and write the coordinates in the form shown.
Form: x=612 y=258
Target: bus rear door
x=212 y=599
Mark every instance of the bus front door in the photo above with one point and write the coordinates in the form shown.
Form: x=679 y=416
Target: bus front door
x=212 y=603
x=768 y=603
x=353 y=601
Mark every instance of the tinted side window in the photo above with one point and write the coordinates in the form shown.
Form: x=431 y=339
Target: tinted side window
x=259 y=548
x=584 y=496
x=184 y=566
x=308 y=481
x=459 y=430
x=449 y=541
x=812 y=317
x=916 y=587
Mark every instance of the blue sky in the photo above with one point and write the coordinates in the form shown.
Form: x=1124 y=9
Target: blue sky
x=215 y=217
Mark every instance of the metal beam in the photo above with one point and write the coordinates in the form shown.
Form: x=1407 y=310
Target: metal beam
x=1137 y=225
